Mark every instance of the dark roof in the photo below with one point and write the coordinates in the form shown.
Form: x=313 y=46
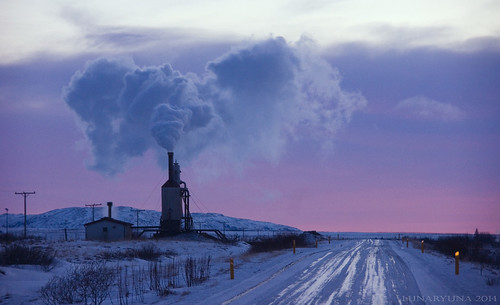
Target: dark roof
x=110 y=220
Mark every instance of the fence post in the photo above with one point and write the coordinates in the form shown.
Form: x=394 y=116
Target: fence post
x=293 y=243
x=457 y=254
x=231 y=268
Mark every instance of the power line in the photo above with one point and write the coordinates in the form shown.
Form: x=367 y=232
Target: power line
x=25 y=194
x=163 y=177
x=198 y=199
x=93 y=205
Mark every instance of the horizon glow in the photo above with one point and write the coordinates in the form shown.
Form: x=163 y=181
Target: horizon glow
x=415 y=149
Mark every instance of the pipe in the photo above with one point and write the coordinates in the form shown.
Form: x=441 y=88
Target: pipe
x=110 y=204
x=171 y=166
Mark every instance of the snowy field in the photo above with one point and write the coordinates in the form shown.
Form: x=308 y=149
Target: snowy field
x=357 y=271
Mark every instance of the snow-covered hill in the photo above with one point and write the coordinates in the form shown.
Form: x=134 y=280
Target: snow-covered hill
x=76 y=217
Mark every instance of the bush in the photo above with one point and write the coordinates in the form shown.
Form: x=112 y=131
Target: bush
x=492 y=281
x=476 y=249
x=162 y=277
x=278 y=243
x=19 y=254
x=149 y=252
x=89 y=284
x=59 y=290
x=9 y=237
x=197 y=270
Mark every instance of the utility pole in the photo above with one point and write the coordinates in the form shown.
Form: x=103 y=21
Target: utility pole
x=93 y=205
x=7 y=221
x=25 y=194
x=137 y=212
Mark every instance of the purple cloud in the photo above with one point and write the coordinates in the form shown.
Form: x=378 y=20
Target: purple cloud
x=251 y=101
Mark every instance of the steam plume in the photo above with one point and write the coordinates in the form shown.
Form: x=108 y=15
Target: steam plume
x=251 y=101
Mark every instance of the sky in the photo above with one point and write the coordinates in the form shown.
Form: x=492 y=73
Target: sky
x=347 y=115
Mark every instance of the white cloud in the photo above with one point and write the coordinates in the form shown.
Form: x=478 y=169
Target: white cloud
x=32 y=27
x=426 y=108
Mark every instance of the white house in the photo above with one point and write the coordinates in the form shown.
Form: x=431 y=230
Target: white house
x=108 y=229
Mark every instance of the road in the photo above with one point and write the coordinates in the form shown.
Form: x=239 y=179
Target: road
x=371 y=271
x=364 y=272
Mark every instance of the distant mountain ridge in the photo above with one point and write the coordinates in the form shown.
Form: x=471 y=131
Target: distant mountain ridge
x=76 y=217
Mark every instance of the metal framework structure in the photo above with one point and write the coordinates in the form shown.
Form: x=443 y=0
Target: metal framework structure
x=188 y=220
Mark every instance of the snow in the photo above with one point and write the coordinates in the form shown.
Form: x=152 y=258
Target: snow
x=436 y=279
x=361 y=270
x=75 y=218
x=374 y=278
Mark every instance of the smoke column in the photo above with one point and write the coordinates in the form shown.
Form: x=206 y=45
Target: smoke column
x=251 y=101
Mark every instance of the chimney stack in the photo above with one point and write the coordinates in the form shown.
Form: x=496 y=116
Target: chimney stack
x=171 y=166
x=110 y=204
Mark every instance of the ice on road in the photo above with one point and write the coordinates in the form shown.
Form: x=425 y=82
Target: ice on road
x=358 y=272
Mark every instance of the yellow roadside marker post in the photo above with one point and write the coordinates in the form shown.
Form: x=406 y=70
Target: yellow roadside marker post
x=457 y=254
x=422 y=246
x=293 y=243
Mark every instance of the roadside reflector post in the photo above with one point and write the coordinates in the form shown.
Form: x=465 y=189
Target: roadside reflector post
x=316 y=243
x=457 y=254
x=293 y=243
x=422 y=246
x=329 y=239
x=231 y=268
x=407 y=243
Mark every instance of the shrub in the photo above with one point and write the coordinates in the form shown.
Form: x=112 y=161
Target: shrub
x=131 y=284
x=492 y=281
x=9 y=237
x=162 y=277
x=85 y=283
x=472 y=249
x=278 y=243
x=196 y=270
x=59 y=290
x=19 y=254
x=149 y=252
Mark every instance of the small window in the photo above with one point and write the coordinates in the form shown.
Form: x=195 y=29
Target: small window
x=105 y=229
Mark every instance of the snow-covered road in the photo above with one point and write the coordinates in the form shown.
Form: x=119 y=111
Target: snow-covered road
x=356 y=272
x=369 y=271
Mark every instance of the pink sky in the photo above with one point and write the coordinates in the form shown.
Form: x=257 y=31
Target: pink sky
x=388 y=135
